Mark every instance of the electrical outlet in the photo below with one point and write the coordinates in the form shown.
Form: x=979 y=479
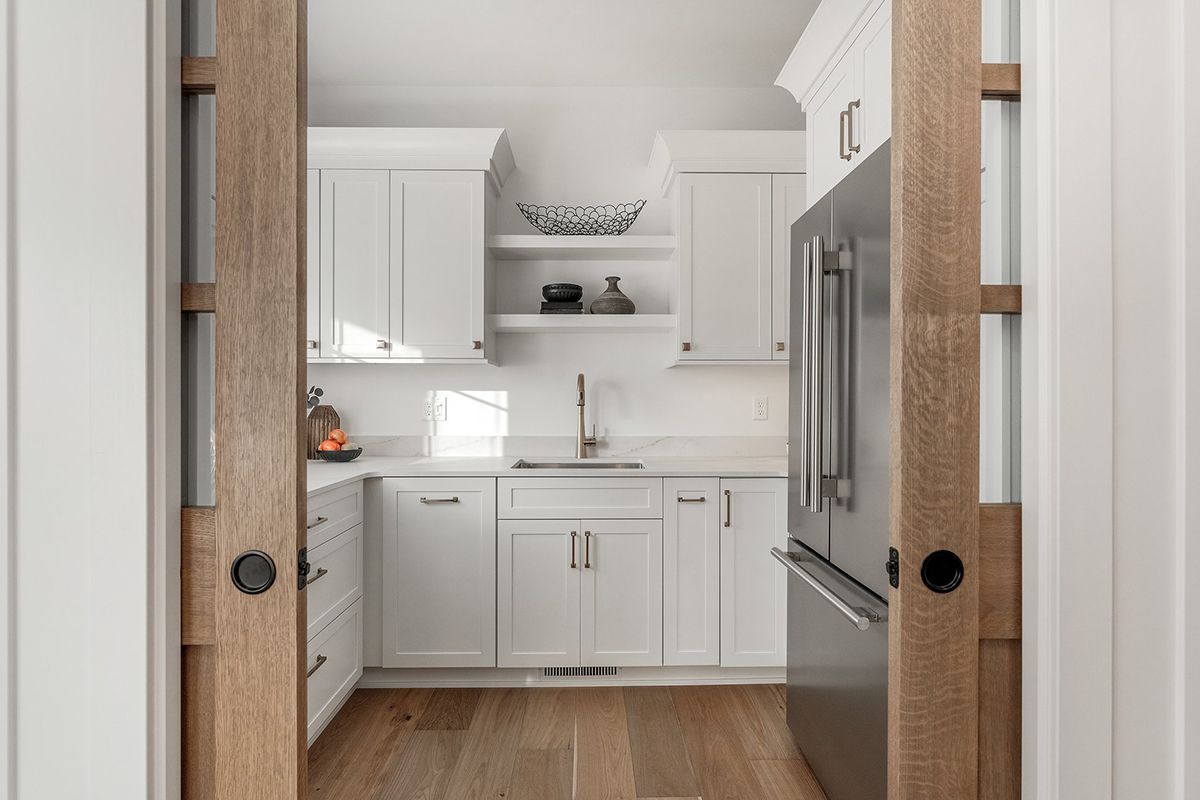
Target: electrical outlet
x=439 y=408
x=760 y=408
x=428 y=416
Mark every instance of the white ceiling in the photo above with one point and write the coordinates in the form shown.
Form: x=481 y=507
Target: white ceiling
x=661 y=43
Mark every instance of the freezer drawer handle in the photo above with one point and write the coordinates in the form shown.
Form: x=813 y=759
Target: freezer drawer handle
x=861 y=617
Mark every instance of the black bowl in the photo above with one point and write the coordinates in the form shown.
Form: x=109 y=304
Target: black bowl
x=562 y=292
x=339 y=455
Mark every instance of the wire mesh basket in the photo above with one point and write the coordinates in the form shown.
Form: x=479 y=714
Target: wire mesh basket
x=582 y=220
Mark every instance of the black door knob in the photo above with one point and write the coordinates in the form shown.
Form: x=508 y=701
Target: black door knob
x=253 y=572
x=942 y=571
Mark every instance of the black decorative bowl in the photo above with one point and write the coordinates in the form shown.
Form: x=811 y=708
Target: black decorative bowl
x=339 y=455
x=582 y=220
x=562 y=292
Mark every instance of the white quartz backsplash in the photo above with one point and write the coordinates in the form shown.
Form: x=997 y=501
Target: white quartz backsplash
x=564 y=446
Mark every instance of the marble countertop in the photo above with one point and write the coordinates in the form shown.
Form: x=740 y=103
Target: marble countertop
x=324 y=475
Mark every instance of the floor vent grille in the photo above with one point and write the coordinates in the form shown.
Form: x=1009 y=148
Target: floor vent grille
x=578 y=672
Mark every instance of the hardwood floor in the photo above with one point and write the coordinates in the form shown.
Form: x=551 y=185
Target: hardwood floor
x=597 y=743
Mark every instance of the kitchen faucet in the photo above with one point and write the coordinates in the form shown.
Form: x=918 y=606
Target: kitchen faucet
x=582 y=442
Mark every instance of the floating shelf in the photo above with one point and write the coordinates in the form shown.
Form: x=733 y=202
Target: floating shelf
x=535 y=247
x=581 y=323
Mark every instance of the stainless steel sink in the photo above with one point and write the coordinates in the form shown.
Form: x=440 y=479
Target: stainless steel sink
x=580 y=463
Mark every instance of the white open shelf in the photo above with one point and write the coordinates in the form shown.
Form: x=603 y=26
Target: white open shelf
x=535 y=247
x=581 y=323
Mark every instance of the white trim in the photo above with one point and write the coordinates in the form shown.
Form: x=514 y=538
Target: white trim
x=7 y=539
x=826 y=38
x=761 y=152
x=1067 y=398
x=392 y=678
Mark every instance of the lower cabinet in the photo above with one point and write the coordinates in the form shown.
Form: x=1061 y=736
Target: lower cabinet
x=580 y=593
x=691 y=571
x=439 y=572
x=753 y=584
x=335 y=663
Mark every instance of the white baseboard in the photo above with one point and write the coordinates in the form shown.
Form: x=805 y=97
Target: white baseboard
x=393 y=678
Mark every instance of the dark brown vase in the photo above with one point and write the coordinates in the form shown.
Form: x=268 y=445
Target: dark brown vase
x=321 y=420
x=612 y=300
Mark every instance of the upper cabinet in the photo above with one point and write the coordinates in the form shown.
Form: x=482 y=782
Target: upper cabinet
x=841 y=73
x=400 y=224
x=736 y=194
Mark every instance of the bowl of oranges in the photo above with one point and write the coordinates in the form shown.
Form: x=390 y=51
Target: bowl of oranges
x=336 y=448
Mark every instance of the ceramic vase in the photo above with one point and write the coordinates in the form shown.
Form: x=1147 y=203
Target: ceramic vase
x=321 y=420
x=612 y=300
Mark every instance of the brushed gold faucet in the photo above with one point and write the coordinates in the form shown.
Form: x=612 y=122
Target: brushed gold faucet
x=582 y=442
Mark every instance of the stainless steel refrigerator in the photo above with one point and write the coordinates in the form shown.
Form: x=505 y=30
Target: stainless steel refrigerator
x=838 y=483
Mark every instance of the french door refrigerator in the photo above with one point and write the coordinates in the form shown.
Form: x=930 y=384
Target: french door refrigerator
x=838 y=483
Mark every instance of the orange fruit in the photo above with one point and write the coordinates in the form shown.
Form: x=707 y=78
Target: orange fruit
x=337 y=435
x=329 y=445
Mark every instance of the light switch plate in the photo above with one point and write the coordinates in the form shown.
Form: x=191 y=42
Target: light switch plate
x=760 y=409
x=439 y=408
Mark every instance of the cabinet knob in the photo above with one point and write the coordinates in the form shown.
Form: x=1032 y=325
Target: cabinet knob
x=381 y=344
x=476 y=345
x=779 y=346
x=311 y=344
x=687 y=346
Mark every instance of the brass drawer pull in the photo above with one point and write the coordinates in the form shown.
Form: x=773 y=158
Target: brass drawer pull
x=587 y=549
x=321 y=573
x=728 y=508
x=381 y=344
x=692 y=499
x=320 y=521
x=311 y=344
x=434 y=500
x=574 y=536
x=687 y=347
x=780 y=347
x=320 y=663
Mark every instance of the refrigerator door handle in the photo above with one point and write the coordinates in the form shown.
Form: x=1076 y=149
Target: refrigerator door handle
x=815 y=369
x=861 y=618
x=803 y=354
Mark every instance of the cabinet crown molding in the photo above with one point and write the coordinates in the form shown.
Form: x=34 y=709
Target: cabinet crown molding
x=676 y=152
x=826 y=36
x=472 y=149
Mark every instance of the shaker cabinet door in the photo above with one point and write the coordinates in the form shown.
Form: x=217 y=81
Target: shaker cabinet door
x=787 y=206
x=439 y=572
x=437 y=264
x=828 y=149
x=539 y=562
x=724 y=267
x=354 y=263
x=621 y=593
x=312 y=331
x=691 y=571
x=753 y=584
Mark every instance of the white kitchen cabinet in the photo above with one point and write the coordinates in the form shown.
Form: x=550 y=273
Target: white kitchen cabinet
x=439 y=572
x=691 y=572
x=753 y=584
x=355 y=264
x=437 y=264
x=621 y=601
x=725 y=267
x=554 y=498
x=828 y=158
x=538 y=593
x=335 y=578
x=312 y=331
x=849 y=108
x=787 y=206
x=335 y=663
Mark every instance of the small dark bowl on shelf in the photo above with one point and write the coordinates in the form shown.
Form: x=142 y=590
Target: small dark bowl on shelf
x=562 y=292
x=339 y=455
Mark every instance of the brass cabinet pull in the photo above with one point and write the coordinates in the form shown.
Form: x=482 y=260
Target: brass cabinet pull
x=691 y=499
x=429 y=501
x=842 y=135
x=587 y=549
x=853 y=148
x=574 y=536
x=321 y=573
x=476 y=345
x=381 y=344
x=311 y=344
x=779 y=347
x=320 y=663
x=728 y=508
x=687 y=346
x=320 y=521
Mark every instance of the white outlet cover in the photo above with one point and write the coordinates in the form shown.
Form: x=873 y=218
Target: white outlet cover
x=759 y=409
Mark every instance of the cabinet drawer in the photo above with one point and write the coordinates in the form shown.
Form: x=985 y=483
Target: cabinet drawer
x=333 y=512
x=559 y=498
x=334 y=578
x=335 y=663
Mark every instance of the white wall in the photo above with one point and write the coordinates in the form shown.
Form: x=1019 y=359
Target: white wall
x=1112 y=404
x=84 y=556
x=574 y=146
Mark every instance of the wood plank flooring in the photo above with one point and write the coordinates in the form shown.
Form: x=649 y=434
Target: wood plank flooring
x=596 y=743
